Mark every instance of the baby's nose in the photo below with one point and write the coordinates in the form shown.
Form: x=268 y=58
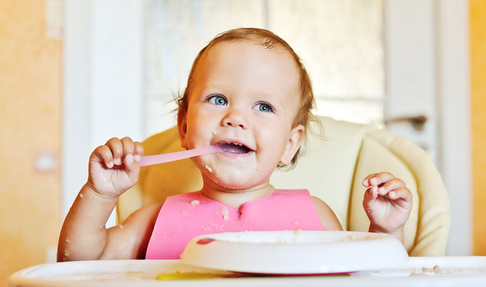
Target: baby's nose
x=235 y=119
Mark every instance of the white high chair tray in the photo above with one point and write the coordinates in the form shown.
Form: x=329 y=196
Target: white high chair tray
x=418 y=271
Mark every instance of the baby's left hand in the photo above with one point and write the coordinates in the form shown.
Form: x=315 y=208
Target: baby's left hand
x=387 y=202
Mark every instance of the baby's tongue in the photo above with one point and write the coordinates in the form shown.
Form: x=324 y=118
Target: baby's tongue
x=231 y=148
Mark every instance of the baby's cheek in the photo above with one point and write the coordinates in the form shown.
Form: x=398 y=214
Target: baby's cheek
x=194 y=136
x=208 y=166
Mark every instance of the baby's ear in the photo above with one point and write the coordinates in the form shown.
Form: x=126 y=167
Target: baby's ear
x=293 y=145
x=182 y=126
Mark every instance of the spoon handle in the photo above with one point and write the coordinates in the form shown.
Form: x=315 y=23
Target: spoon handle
x=168 y=157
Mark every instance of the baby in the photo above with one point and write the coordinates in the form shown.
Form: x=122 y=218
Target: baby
x=248 y=90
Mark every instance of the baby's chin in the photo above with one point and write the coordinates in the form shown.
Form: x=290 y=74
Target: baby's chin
x=231 y=175
x=231 y=182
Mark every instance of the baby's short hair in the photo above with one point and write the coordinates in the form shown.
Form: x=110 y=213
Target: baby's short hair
x=270 y=41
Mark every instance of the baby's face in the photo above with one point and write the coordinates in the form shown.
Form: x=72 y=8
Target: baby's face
x=247 y=96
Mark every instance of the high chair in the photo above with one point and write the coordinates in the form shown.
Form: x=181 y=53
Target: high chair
x=332 y=168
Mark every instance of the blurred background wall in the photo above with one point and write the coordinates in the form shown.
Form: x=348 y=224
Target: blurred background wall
x=30 y=132
x=477 y=12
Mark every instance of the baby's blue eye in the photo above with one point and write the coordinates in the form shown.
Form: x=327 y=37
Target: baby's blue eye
x=217 y=100
x=264 y=107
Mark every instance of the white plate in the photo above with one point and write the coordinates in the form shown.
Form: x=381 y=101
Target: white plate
x=295 y=252
x=417 y=272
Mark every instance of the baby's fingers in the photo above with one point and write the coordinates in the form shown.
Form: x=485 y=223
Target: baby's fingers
x=366 y=181
x=131 y=167
x=370 y=197
x=376 y=179
x=103 y=155
x=138 y=151
x=128 y=146
x=400 y=193
x=390 y=186
x=122 y=148
x=117 y=149
x=132 y=148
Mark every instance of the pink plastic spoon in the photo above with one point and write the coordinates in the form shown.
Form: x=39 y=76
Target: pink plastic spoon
x=168 y=157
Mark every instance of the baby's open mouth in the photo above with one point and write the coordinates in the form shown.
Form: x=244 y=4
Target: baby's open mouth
x=234 y=148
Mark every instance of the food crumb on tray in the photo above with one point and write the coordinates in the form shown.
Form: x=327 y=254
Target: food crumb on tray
x=197 y=275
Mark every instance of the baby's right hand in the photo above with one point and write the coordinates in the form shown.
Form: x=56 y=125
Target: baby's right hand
x=108 y=181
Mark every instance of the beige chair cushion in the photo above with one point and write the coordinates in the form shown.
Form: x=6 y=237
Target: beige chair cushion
x=332 y=169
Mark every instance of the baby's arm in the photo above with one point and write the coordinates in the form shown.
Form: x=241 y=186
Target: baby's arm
x=326 y=215
x=129 y=240
x=387 y=202
x=83 y=235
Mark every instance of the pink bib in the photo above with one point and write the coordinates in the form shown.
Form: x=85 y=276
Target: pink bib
x=185 y=216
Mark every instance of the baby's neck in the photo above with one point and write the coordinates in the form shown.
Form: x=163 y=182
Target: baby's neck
x=236 y=197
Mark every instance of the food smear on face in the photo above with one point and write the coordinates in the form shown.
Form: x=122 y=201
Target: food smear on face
x=208 y=168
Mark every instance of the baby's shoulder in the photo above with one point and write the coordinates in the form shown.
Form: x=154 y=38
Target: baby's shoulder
x=145 y=216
